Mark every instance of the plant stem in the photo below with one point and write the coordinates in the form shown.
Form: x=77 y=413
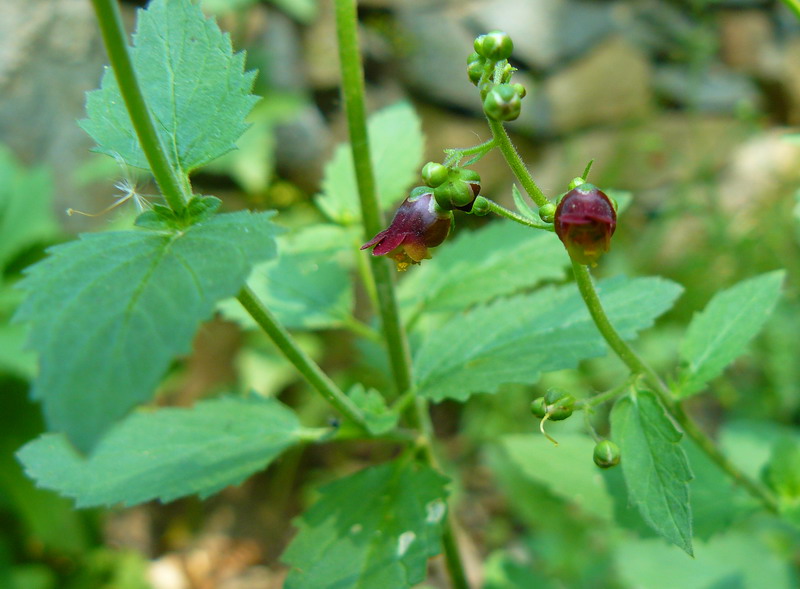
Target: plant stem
x=353 y=91
x=396 y=342
x=455 y=155
x=515 y=162
x=794 y=6
x=516 y=217
x=639 y=366
x=312 y=373
x=607 y=396
x=169 y=181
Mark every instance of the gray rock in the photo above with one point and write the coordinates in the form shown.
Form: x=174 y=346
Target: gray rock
x=610 y=85
x=433 y=50
x=716 y=90
x=50 y=55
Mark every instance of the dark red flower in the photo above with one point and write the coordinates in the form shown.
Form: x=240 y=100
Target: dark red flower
x=584 y=221
x=418 y=224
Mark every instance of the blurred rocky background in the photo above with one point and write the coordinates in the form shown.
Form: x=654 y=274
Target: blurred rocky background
x=691 y=105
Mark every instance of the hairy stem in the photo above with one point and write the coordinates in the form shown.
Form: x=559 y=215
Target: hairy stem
x=169 y=181
x=396 y=341
x=514 y=161
x=498 y=209
x=639 y=366
x=353 y=92
x=309 y=369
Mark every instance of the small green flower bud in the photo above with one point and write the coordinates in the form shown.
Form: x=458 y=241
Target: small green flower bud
x=559 y=404
x=494 y=46
x=520 y=90
x=554 y=395
x=480 y=207
x=502 y=103
x=547 y=212
x=434 y=174
x=454 y=194
x=476 y=65
x=561 y=409
x=575 y=182
x=606 y=454
x=538 y=407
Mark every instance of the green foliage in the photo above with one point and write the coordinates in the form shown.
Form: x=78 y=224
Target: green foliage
x=782 y=476
x=309 y=285
x=379 y=418
x=376 y=528
x=44 y=518
x=565 y=470
x=737 y=560
x=396 y=144
x=519 y=338
x=26 y=216
x=656 y=470
x=301 y=10
x=167 y=453
x=720 y=333
x=478 y=266
x=109 y=312
x=195 y=87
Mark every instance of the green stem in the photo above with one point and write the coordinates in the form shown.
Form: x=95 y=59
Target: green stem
x=309 y=369
x=794 y=6
x=455 y=155
x=514 y=161
x=353 y=92
x=605 y=397
x=169 y=181
x=639 y=366
x=516 y=217
x=396 y=342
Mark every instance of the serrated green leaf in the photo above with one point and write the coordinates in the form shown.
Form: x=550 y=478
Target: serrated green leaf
x=566 y=470
x=656 y=470
x=515 y=340
x=721 y=332
x=110 y=311
x=26 y=216
x=309 y=286
x=167 y=453
x=380 y=419
x=376 y=528
x=194 y=85
x=477 y=266
x=396 y=145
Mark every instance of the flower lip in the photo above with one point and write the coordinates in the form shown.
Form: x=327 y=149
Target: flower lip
x=418 y=225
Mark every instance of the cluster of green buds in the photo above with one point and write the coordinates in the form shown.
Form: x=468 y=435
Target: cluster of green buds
x=453 y=187
x=489 y=70
x=556 y=405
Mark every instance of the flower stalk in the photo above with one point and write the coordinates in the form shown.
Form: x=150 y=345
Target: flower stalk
x=174 y=188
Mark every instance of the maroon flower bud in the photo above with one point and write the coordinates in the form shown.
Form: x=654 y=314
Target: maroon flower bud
x=584 y=221
x=418 y=224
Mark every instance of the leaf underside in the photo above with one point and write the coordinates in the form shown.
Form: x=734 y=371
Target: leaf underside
x=656 y=470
